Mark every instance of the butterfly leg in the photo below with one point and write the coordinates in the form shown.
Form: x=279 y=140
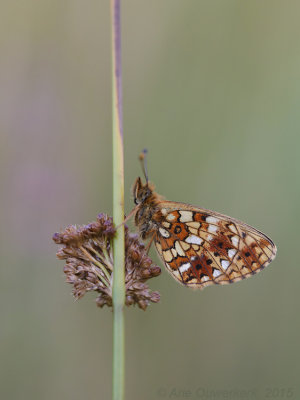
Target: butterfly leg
x=149 y=244
x=132 y=212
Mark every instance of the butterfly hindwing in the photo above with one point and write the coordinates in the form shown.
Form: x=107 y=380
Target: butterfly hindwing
x=200 y=247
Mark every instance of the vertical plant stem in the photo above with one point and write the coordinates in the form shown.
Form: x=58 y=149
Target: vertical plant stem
x=118 y=208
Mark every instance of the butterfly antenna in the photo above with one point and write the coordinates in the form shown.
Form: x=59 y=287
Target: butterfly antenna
x=143 y=160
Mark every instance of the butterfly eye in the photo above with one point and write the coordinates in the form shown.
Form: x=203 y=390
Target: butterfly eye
x=136 y=190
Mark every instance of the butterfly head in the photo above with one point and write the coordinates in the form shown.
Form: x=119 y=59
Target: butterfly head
x=141 y=192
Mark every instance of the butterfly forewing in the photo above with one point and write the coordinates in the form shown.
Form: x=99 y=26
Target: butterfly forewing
x=200 y=247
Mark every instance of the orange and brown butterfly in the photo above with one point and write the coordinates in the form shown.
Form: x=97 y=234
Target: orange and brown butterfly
x=199 y=247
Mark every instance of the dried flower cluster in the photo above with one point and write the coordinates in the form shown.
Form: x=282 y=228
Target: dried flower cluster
x=89 y=262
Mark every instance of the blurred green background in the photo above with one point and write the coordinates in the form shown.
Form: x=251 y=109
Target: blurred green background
x=212 y=89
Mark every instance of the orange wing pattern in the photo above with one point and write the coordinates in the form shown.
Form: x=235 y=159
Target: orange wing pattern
x=200 y=247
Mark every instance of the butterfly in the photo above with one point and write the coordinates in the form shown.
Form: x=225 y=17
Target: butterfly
x=199 y=247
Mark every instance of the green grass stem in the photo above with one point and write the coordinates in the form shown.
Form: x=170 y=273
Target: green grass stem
x=118 y=208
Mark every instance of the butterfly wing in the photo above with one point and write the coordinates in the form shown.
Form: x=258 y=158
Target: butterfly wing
x=200 y=247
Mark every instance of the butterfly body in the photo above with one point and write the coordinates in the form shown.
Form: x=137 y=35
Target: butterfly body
x=148 y=217
x=200 y=247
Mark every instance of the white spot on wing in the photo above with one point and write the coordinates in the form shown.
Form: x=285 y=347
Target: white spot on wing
x=164 y=232
x=194 y=224
x=231 y=253
x=235 y=241
x=184 y=245
x=233 y=228
x=216 y=273
x=166 y=224
x=184 y=267
x=193 y=230
x=170 y=217
x=211 y=220
x=163 y=211
x=225 y=264
x=179 y=249
x=212 y=228
x=192 y=239
x=205 y=278
x=185 y=216
x=167 y=256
